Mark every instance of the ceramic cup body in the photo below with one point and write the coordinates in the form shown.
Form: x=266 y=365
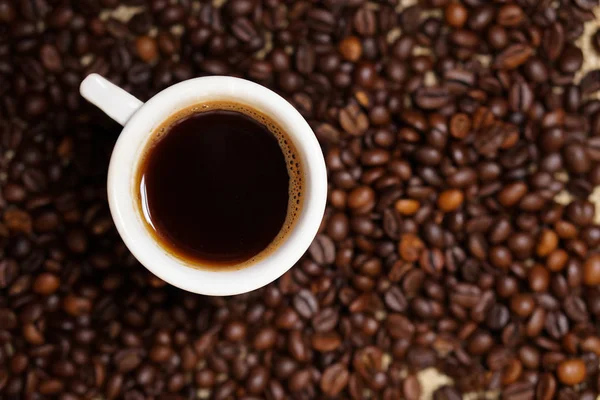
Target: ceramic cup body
x=139 y=122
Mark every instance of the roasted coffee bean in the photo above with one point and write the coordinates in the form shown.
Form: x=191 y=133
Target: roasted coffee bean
x=306 y=304
x=334 y=379
x=323 y=250
x=571 y=372
x=510 y=15
x=557 y=324
x=456 y=15
x=553 y=41
x=591 y=271
x=350 y=48
x=519 y=390
x=432 y=98
x=513 y=57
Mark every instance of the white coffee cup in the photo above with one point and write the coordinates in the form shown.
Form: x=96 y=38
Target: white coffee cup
x=139 y=121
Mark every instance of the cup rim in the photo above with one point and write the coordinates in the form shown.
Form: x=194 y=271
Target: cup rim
x=123 y=205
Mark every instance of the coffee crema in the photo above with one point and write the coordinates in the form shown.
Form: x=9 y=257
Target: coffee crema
x=219 y=185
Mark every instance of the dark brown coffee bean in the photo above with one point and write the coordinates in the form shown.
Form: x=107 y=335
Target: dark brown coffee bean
x=571 y=59
x=306 y=304
x=546 y=387
x=513 y=57
x=522 y=305
x=432 y=98
x=325 y=342
x=365 y=22
x=553 y=41
x=510 y=15
x=334 y=379
x=536 y=70
x=557 y=324
x=322 y=250
x=591 y=271
x=395 y=300
x=519 y=390
x=353 y=120
x=460 y=125
x=575 y=308
x=325 y=320
x=51 y=59
x=399 y=327
x=576 y=158
x=411 y=388
x=497 y=317
x=520 y=97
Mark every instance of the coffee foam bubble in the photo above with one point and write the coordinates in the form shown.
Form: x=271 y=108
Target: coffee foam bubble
x=291 y=155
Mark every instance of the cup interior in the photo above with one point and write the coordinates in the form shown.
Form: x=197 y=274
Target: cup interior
x=132 y=144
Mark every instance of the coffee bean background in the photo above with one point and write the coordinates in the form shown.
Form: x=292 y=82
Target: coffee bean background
x=460 y=250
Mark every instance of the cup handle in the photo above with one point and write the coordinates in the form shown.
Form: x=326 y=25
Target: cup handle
x=114 y=101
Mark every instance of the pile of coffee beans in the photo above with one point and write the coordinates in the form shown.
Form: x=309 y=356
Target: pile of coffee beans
x=450 y=129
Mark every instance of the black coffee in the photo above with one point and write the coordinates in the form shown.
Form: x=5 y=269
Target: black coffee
x=219 y=185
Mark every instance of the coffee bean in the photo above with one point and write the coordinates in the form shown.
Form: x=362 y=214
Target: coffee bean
x=520 y=97
x=411 y=388
x=513 y=57
x=432 y=98
x=325 y=342
x=571 y=372
x=325 y=320
x=146 y=48
x=400 y=327
x=575 y=309
x=536 y=70
x=51 y=59
x=410 y=247
x=334 y=379
x=553 y=41
x=571 y=59
x=395 y=300
x=519 y=390
x=497 y=317
x=510 y=15
x=460 y=125
x=350 y=48
x=546 y=387
x=591 y=271
x=481 y=17
x=306 y=304
x=576 y=158
x=456 y=15
x=353 y=120
x=522 y=305
x=450 y=200
x=322 y=250
x=46 y=284
x=407 y=206
x=557 y=324
x=512 y=194
x=364 y=21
